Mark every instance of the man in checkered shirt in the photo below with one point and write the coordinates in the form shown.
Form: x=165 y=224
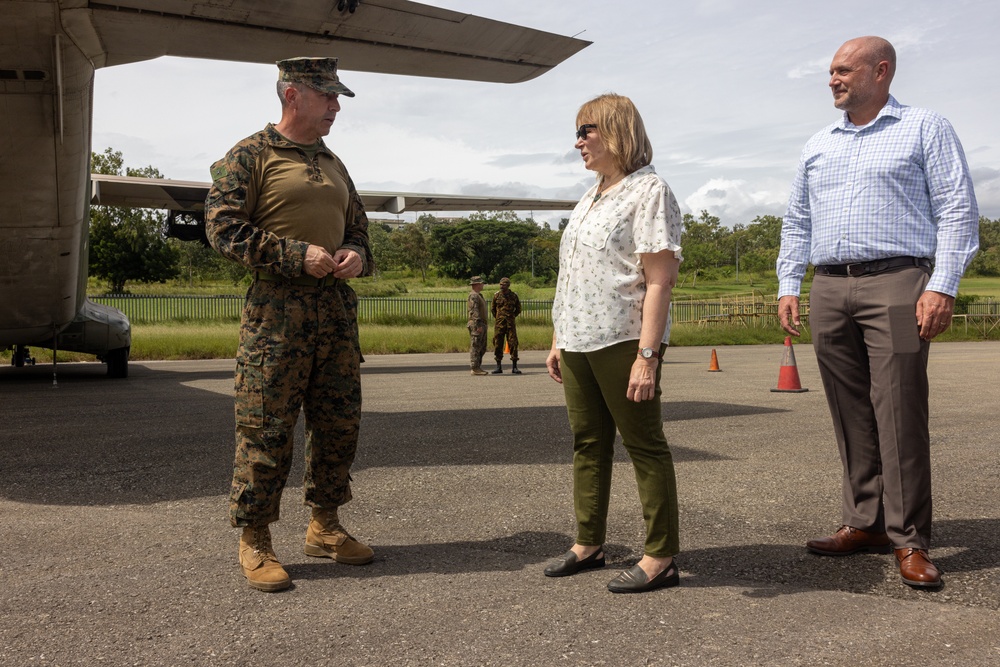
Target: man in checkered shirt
x=883 y=207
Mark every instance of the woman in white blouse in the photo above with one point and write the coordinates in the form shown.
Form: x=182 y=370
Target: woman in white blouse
x=618 y=263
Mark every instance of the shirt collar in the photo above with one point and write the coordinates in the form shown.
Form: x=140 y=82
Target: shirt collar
x=626 y=181
x=892 y=109
x=275 y=138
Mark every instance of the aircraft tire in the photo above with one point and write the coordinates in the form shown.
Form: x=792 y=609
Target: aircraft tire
x=118 y=363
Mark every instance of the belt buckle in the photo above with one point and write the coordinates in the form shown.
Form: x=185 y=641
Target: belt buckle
x=855 y=270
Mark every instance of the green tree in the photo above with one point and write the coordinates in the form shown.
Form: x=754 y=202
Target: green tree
x=544 y=250
x=380 y=238
x=987 y=262
x=128 y=244
x=702 y=244
x=757 y=245
x=488 y=244
x=413 y=248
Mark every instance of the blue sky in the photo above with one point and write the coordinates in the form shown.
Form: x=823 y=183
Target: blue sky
x=729 y=90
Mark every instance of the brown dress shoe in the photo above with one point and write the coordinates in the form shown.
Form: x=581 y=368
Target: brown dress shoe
x=847 y=541
x=916 y=568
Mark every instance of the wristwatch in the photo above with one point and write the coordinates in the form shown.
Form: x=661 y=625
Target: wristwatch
x=649 y=353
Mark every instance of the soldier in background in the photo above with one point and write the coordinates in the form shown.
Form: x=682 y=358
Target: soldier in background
x=505 y=306
x=283 y=205
x=477 y=326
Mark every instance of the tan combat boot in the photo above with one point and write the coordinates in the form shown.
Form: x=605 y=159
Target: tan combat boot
x=479 y=371
x=326 y=538
x=259 y=564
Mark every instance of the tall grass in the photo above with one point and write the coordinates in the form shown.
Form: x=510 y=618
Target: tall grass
x=219 y=340
x=210 y=340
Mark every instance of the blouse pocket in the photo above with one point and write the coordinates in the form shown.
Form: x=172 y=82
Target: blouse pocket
x=597 y=236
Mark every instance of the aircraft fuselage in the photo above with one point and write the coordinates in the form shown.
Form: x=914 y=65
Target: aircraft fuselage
x=46 y=86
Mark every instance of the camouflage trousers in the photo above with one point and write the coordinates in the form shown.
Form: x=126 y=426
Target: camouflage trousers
x=508 y=331
x=298 y=351
x=477 y=346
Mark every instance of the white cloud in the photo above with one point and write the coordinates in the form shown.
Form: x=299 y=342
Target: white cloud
x=817 y=66
x=729 y=91
x=736 y=201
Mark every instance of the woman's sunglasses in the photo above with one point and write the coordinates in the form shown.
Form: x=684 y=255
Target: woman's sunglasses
x=583 y=130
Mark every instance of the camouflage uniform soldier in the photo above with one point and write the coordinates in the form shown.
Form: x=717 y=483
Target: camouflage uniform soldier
x=477 y=326
x=284 y=206
x=505 y=306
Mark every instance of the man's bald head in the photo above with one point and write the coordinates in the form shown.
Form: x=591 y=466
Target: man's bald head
x=875 y=50
x=860 y=75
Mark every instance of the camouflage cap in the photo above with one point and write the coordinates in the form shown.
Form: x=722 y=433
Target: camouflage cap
x=317 y=73
x=505 y=281
x=476 y=280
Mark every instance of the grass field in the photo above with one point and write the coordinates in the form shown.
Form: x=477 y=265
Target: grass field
x=399 y=284
x=218 y=340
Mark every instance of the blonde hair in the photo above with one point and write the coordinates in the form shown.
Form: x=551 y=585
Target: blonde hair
x=621 y=128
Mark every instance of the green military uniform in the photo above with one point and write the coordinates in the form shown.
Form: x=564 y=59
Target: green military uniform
x=505 y=306
x=476 y=306
x=270 y=199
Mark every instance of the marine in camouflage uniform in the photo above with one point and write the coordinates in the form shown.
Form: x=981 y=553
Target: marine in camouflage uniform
x=290 y=213
x=505 y=306
x=476 y=305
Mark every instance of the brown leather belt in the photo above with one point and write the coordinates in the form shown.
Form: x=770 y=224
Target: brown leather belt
x=304 y=280
x=868 y=268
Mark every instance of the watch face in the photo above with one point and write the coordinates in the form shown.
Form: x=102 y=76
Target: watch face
x=646 y=352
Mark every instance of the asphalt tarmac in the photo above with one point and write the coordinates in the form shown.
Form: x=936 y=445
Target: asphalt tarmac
x=115 y=545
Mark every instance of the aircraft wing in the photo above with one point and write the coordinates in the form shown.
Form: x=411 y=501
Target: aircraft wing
x=189 y=196
x=386 y=36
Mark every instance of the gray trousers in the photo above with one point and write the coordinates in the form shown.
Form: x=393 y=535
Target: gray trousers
x=874 y=370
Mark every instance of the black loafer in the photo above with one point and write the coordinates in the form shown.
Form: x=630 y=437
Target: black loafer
x=568 y=564
x=633 y=580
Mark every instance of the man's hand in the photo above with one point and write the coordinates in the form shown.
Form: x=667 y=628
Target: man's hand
x=788 y=314
x=318 y=262
x=348 y=264
x=934 y=311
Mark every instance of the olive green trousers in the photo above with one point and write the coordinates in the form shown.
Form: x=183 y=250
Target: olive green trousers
x=595 y=384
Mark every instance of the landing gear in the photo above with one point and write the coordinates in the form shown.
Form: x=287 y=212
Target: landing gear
x=22 y=357
x=117 y=361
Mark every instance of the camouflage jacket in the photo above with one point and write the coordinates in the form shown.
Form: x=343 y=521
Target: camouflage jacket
x=476 y=306
x=230 y=226
x=505 y=307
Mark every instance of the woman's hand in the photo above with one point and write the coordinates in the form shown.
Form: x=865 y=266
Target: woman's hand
x=552 y=364
x=642 y=380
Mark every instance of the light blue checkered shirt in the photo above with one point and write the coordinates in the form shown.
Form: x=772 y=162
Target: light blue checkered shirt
x=898 y=186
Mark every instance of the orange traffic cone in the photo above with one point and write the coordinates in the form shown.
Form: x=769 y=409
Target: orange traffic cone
x=788 y=375
x=506 y=347
x=713 y=367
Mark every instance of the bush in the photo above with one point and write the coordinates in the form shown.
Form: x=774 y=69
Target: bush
x=369 y=287
x=962 y=302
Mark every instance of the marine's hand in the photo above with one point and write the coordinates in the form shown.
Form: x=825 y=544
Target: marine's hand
x=642 y=380
x=934 y=311
x=318 y=262
x=552 y=364
x=788 y=314
x=348 y=264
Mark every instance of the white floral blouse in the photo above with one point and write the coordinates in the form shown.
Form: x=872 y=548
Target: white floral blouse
x=601 y=287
